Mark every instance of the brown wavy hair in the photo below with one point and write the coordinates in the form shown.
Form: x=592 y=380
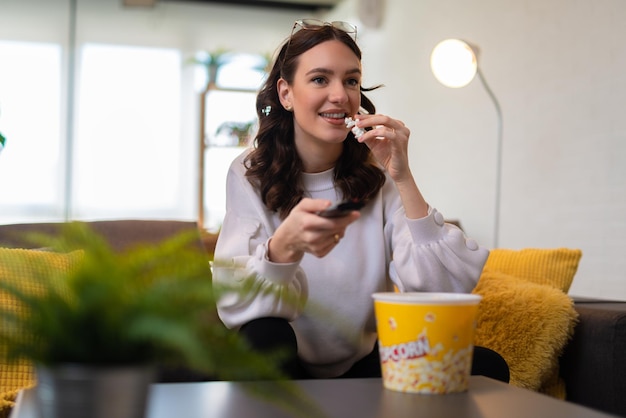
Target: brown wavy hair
x=273 y=166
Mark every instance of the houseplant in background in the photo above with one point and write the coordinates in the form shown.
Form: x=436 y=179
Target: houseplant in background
x=89 y=318
x=238 y=132
x=2 y=141
x=211 y=61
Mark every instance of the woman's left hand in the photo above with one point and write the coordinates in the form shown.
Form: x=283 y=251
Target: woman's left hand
x=388 y=139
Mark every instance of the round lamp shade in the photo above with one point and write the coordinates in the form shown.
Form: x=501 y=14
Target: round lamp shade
x=453 y=62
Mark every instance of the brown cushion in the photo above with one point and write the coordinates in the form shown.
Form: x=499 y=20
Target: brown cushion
x=120 y=234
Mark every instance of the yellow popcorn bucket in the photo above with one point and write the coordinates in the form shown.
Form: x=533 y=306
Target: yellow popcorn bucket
x=426 y=340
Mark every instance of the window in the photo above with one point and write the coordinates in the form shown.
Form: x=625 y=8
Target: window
x=31 y=163
x=222 y=108
x=230 y=122
x=105 y=124
x=128 y=111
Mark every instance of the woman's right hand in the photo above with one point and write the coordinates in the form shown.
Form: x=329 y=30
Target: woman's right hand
x=304 y=231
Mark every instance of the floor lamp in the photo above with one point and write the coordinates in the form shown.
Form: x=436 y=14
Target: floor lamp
x=455 y=64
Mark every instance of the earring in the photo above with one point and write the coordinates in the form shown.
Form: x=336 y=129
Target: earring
x=288 y=108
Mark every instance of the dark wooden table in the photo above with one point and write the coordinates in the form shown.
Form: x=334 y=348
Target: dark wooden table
x=345 y=398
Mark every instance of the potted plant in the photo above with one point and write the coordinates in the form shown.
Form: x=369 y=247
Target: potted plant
x=239 y=131
x=2 y=141
x=114 y=317
x=211 y=61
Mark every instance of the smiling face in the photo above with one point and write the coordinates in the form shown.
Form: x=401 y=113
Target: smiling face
x=325 y=89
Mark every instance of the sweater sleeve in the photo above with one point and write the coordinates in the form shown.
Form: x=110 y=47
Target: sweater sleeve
x=430 y=255
x=271 y=289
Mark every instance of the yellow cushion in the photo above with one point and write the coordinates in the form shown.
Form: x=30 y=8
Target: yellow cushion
x=526 y=315
x=17 y=268
x=529 y=325
x=553 y=267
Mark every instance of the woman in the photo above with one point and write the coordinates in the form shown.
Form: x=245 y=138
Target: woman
x=313 y=276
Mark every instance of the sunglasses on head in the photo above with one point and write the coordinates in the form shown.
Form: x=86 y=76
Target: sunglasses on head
x=316 y=24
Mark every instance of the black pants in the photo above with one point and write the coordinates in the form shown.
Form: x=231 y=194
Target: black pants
x=268 y=334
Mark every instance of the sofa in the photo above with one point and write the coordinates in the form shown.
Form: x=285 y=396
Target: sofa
x=592 y=364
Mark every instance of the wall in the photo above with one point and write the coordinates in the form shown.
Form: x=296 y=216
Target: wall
x=558 y=70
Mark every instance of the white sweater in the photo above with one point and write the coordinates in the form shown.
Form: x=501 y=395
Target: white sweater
x=336 y=328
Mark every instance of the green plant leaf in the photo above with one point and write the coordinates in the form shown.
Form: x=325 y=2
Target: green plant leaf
x=153 y=303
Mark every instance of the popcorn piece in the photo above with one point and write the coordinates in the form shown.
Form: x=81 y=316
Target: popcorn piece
x=351 y=123
x=392 y=323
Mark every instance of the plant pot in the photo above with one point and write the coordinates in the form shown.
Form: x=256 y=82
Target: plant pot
x=84 y=391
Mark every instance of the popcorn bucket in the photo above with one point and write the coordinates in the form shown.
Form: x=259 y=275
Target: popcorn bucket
x=426 y=340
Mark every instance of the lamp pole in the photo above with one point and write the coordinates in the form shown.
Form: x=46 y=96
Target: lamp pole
x=496 y=215
x=455 y=64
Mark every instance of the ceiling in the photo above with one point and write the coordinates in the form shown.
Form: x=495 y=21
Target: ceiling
x=310 y=5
